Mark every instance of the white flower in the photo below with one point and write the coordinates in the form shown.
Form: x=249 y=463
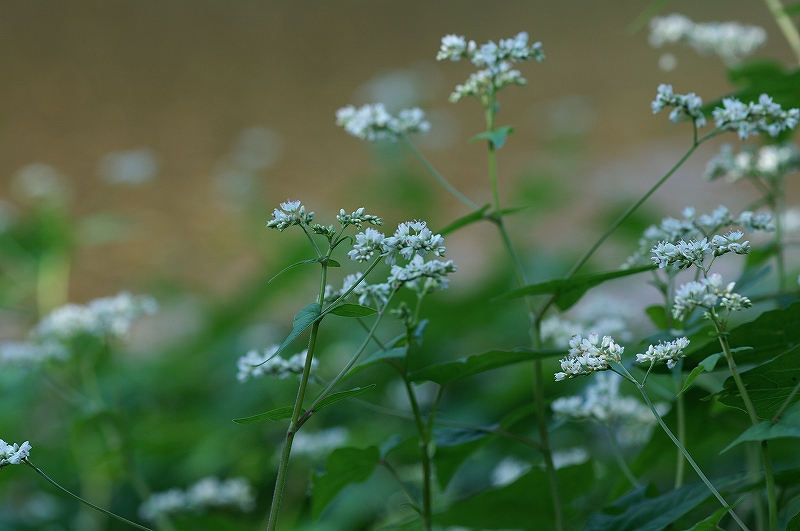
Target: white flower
x=13 y=454
x=508 y=471
x=730 y=243
x=765 y=116
x=207 y=493
x=290 y=213
x=319 y=443
x=367 y=244
x=433 y=273
x=373 y=122
x=27 y=353
x=707 y=293
x=375 y=295
x=669 y=352
x=357 y=218
x=104 y=317
x=681 y=255
x=255 y=364
x=684 y=105
x=587 y=355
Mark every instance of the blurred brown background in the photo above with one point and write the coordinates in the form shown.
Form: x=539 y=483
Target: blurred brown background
x=230 y=104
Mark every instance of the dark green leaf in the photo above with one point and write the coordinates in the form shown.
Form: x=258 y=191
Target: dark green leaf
x=643 y=510
x=707 y=365
x=275 y=414
x=712 y=522
x=450 y=371
x=453 y=446
x=378 y=357
x=345 y=466
x=768 y=385
x=568 y=291
x=792 y=10
x=770 y=334
x=353 y=310
x=496 y=137
x=302 y=320
x=466 y=220
x=658 y=314
x=787 y=426
x=341 y=395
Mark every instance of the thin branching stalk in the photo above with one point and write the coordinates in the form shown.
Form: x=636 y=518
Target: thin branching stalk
x=623 y=465
x=786 y=26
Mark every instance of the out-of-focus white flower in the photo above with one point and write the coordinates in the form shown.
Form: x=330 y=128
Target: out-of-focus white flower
x=319 y=443
x=256 y=364
x=731 y=41
x=134 y=166
x=373 y=122
x=573 y=456
x=28 y=353
x=375 y=295
x=508 y=471
x=208 y=493
x=772 y=162
x=588 y=355
x=104 y=317
x=669 y=352
x=13 y=454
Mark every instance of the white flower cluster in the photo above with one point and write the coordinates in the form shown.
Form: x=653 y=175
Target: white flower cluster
x=685 y=105
x=357 y=218
x=255 y=364
x=671 y=235
x=373 y=122
x=421 y=276
x=587 y=355
x=375 y=295
x=410 y=238
x=13 y=454
x=104 y=317
x=319 y=443
x=707 y=293
x=670 y=352
x=290 y=213
x=557 y=330
x=771 y=162
x=27 y=353
x=766 y=116
x=601 y=401
x=208 y=493
x=729 y=40
x=495 y=60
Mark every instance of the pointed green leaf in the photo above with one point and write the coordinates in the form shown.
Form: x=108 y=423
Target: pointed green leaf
x=644 y=510
x=450 y=371
x=275 y=414
x=496 y=137
x=658 y=314
x=345 y=466
x=769 y=385
x=712 y=522
x=341 y=395
x=707 y=365
x=301 y=262
x=568 y=291
x=302 y=320
x=470 y=218
x=453 y=447
x=787 y=426
x=378 y=357
x=353 y=310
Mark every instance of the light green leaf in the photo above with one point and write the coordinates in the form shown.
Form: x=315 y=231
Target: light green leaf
x=787 y=426
x=496 y=137
x=450 y=371
x=568 y=291
x=341 y=395
x=466 y=220
x=768 y=385
x=275 y=414
x=352 y=310
x=301 y=262
x=302 y=320
x=345 y=466
x=707 y=365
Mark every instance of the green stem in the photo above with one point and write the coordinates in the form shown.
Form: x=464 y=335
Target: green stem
x=615 y=449
x=424 y=451
x=438 y=176
x=785 y=24
x=680 y=410
x=691 y=461
x=93 y=506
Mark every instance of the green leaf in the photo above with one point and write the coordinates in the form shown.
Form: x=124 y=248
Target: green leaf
x=787 y=426
x=341 y=395
x=378 y=357
x=568 y=291
x=792 y=10
x=302 y=320
x=756 y=71
x=450 y=371
x=465 y=220
x=496 y=137
x=301 y=262
x=453 y=447
x=712 y=522
x=772 y=333
x=345 y=466
x=707 y=365
x=658 y=315
x=768 y=385
x=275 y=414
x=352 y=310
x=644 y=510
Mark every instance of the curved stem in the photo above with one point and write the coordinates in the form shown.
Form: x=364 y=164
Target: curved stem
x=89 y=504
x=438 y=176
x=785 y=24
x=615 y=449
